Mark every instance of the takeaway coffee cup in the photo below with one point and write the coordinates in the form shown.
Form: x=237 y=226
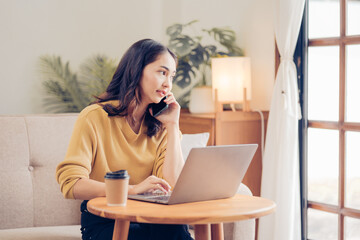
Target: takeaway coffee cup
x=116 y=187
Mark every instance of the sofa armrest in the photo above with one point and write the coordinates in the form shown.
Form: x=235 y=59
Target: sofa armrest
x=244 y=230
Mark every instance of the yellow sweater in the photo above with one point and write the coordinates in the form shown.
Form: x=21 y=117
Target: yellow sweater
x=100 y=143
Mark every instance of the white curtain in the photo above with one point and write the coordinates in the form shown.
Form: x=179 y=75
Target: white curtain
x=280 y=176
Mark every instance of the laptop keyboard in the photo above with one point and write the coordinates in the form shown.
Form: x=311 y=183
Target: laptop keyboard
x=157 y=197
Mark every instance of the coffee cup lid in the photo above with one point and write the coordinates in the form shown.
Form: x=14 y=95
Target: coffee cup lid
x=121 y=174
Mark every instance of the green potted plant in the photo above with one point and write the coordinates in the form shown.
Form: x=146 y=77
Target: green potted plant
x=194 y=53
x=71 y=92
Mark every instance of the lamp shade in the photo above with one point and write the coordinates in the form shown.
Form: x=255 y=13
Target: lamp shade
x=230 y=75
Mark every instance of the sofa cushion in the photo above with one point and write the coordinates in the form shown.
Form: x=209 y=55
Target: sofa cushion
x=42 y=233
x=30 y=148
x=244 y=229
x=190 y=141
x=16 y=205
x=49 y=137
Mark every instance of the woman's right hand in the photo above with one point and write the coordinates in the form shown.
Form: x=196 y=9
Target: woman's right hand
x=150 y=184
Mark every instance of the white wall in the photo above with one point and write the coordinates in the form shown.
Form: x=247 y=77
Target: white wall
x=260 y=47
x=78 y=29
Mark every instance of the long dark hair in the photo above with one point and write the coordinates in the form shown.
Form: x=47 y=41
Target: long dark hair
x=124 y=85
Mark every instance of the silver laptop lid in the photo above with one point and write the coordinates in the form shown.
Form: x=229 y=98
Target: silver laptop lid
x=212 y=172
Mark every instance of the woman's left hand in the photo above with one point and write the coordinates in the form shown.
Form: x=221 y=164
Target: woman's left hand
x=172 y=114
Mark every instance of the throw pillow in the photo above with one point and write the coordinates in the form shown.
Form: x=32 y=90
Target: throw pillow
x=190 y=141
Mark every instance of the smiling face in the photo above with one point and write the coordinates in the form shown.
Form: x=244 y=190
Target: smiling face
x=156 y=79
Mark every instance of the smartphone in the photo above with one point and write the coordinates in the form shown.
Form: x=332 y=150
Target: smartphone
x=158 y=108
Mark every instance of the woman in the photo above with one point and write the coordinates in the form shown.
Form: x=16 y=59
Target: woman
x=118 y=132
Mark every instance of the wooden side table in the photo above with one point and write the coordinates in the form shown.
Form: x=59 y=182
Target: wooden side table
x=207 y=216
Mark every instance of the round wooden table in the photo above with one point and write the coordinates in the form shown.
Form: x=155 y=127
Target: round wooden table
x=206 y=216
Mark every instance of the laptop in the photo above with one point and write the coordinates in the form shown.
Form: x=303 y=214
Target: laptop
x=209 y=173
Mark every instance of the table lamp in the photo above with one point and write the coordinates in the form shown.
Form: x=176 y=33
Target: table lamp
x=231 y=81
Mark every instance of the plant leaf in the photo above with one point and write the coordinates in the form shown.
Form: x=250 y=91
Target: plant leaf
x=184 y=72
x=95 y=74
x=198 y=56
x=226 y=38
x=222 y=35
x=211 y=50
x=182 y=45
x=174 y=30
x=61 y=83
x=190 y=23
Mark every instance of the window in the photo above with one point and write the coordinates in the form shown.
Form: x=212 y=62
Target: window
x=328 y=61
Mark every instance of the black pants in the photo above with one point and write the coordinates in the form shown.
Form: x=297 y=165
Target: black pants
x=97 y=228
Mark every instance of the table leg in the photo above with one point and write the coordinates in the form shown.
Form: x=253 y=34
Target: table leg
x=202 y=232
x=217 y=231
x=121 y=229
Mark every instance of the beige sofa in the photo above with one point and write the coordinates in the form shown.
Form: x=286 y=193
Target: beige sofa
x=31 y=205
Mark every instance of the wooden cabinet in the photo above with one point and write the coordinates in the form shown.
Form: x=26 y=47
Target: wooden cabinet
x=226 y=128
x=198 y=123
